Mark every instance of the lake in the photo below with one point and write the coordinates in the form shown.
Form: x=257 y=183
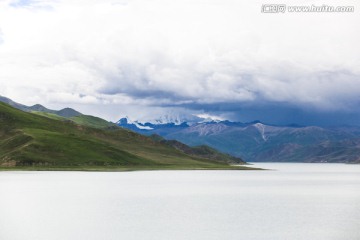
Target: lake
x=297 y=201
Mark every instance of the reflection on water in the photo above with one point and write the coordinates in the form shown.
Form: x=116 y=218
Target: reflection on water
x=295 y=201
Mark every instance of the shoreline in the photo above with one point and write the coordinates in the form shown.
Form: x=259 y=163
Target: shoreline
x=125 y=169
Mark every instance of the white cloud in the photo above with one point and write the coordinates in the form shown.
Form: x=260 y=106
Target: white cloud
x=153 y=53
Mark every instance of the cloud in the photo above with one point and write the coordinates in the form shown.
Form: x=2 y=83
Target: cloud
x=1 y=37
x=153 y=54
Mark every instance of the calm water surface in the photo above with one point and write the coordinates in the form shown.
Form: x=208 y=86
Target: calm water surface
x=296 y=202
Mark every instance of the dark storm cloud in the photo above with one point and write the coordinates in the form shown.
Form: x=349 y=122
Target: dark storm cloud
x=147 y=55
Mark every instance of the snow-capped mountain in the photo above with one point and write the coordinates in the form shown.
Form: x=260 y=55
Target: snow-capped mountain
x=170 y=119
x=133 y=125
x=257 y=141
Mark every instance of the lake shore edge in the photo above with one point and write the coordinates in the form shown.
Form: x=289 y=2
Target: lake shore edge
x=125 y=169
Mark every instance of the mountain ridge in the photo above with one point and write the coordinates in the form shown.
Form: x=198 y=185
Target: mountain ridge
x=65 y=112
x=257 y=141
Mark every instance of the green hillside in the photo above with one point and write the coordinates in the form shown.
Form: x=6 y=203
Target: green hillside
x=92 y=121
x=32 y=141
x=85 y=120
x=49 y=115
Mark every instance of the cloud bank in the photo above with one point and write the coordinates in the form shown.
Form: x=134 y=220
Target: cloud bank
x=214 y=57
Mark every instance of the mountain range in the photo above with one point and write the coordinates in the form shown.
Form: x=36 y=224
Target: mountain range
x=204 y=137
x=261 y=142
x=39 y=138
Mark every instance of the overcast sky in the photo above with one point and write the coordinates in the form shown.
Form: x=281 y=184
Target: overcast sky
x=143 y=58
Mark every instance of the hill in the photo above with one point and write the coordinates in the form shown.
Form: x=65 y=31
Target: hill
x=92 y=121
x=66 y=112
x=38 y=142
x=85 y=120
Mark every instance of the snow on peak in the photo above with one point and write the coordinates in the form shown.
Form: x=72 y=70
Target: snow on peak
x=175 y=118
x=209 y=118
x=261 y=128
x=126 y=120
x=165 y=119
x=139 y=126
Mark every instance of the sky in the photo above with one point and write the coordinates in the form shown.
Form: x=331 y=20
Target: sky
x=146 y=58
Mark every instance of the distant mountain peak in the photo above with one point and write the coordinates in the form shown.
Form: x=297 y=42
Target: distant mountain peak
x=124 y=120
x=68 y=112
x=40 y=108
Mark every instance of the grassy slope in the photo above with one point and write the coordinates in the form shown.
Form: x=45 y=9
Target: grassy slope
x=49 y=115
x=85 y=120
x=28 y=139
x=92 y=121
